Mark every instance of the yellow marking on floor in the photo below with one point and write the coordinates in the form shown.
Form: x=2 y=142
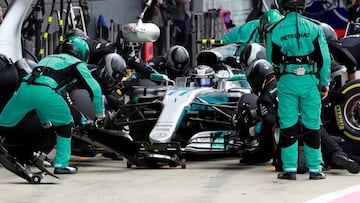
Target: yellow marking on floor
x=83 y=158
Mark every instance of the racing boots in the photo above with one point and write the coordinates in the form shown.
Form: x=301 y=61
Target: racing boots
x=287 y=175
x=343 y=161
x=317 y=175
x=66 y=170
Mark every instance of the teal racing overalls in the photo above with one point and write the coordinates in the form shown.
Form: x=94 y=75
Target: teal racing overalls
x=298 y=48
x=245 y=33
x=40 y=91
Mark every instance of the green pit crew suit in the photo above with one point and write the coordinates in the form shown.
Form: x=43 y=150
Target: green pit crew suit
x=253 y=31
x=42 y=95
x=298 y=47
x=246 y=33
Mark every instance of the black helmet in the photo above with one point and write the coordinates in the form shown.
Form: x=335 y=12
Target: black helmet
x=203 y=76
x=76 y=32
x=77 y=47
x=257 y=73
x=177 y=58
x=252 y=52
x=111 y=68
x=290 y=4
x=329 y=32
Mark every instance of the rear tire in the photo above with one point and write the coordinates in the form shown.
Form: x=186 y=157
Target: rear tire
x=347 y=111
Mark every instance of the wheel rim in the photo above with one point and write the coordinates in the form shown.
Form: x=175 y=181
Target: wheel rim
x=352 y=112
x=36 y=179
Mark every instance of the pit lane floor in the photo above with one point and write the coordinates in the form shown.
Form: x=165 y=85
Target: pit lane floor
x=209 y=181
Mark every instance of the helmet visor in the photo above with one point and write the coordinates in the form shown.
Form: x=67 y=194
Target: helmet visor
x=203 y=82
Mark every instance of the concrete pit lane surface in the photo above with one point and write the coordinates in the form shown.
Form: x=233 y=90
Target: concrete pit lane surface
x=206 y=180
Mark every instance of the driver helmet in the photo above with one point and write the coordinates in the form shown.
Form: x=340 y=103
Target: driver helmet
x=76 y=46
x=177 y=58
x=257 y=74
x=266 y=20
x=252 y=52
x=203 y=76
x=112 y=68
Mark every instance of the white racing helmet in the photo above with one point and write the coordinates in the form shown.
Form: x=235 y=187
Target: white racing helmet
x=251 y=53
x=204 y=76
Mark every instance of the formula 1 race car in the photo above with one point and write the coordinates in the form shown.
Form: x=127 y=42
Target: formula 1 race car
x=191 y=115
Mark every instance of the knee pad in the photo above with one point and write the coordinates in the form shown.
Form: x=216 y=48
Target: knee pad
x=64 y=130
x=288 y=136
x=312 y=138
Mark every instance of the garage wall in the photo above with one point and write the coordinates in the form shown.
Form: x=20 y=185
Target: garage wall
x=121 y=11
x=239 y=8
x=125 y=11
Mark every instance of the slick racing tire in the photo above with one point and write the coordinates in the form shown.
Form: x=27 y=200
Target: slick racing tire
x=347 y=111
